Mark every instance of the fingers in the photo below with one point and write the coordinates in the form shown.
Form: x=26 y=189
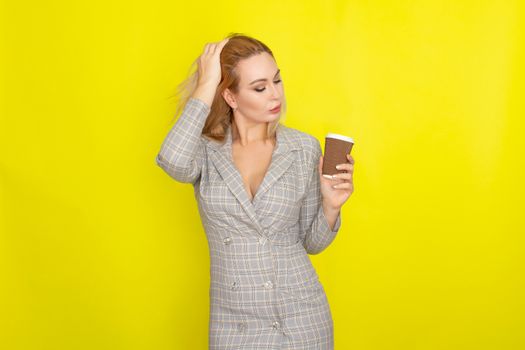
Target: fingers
x=326 y=176
x=349 y=167
x=344 y=185
x=217 y=48
x=342 y=176
x=345 y=166
x=211 y=48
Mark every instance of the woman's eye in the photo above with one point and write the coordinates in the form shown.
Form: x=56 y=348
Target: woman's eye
x=261 y=90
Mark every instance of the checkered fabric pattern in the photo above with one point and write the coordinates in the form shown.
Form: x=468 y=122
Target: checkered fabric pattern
x=264 y=291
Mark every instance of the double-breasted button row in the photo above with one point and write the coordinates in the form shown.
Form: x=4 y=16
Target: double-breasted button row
x=228 y=240
x=268 y=284
x=261 y=240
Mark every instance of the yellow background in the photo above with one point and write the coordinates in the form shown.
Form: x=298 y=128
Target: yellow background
x=100 y=249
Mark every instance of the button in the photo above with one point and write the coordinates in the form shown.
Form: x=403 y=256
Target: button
x=227 y=240
x=233 y=285
x=268 y=284
x=241 y=326
x=276 y=325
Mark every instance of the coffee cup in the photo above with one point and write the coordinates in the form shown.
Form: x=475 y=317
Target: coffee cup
x=336 y=149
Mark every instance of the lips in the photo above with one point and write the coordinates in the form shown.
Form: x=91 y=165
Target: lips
x=276 y=108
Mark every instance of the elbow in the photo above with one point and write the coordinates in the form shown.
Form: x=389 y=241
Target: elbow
x=182 y=174
x=311 y=247
x=314 y=249
x=316 y=242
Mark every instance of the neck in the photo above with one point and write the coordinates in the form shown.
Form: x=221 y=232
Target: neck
x=249 y=134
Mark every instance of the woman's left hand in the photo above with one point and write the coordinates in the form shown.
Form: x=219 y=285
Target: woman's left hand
x=344 y=187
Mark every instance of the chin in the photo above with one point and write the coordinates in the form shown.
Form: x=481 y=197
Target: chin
x=274 y=116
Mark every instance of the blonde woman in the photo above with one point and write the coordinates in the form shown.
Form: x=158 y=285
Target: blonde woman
x=263 y=202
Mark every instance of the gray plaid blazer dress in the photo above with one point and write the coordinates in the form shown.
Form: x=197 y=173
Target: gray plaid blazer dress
x=264 y=291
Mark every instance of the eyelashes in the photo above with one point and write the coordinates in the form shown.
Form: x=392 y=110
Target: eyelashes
x=261 y=90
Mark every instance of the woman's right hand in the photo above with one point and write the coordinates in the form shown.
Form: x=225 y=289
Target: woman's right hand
x=209 y=70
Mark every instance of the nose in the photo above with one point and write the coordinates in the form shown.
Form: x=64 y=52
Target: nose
x=276 y=94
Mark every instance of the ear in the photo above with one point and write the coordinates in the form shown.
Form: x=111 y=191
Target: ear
x=228 y=97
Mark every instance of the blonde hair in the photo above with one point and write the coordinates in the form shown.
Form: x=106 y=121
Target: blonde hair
x=239 y=47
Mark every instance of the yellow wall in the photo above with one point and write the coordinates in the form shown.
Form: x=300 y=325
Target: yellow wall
x=100 y=249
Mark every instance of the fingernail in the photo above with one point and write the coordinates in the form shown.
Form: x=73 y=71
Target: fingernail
x=338 y=166
x=328 y=176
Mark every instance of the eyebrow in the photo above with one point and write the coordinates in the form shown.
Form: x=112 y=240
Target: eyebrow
x=264 y=79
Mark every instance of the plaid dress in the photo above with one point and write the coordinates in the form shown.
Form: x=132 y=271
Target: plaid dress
x=264 y=291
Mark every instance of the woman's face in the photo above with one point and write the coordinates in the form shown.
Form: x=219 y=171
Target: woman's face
x=260 y=89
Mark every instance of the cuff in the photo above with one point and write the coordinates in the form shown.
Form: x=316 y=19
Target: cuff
x=199 y=104
x=325 y=227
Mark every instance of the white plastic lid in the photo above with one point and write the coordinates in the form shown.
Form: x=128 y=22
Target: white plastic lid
x=340 y=137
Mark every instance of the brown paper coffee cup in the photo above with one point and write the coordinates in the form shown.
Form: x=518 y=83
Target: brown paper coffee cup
x=336 y=148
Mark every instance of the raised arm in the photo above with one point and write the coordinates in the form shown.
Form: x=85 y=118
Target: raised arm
x=182 y=152
x=315 y=230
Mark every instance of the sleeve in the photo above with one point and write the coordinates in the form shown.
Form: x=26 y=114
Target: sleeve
x=315 y=230
x=182 y=152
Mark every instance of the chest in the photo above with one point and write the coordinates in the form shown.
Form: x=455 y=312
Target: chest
x=252 y=163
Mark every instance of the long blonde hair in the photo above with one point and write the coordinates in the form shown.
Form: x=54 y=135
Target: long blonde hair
x=239 y=47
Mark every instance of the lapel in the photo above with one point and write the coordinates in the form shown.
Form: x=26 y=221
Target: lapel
x=282 y=159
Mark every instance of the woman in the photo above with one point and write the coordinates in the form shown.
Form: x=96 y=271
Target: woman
x=262 y=199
